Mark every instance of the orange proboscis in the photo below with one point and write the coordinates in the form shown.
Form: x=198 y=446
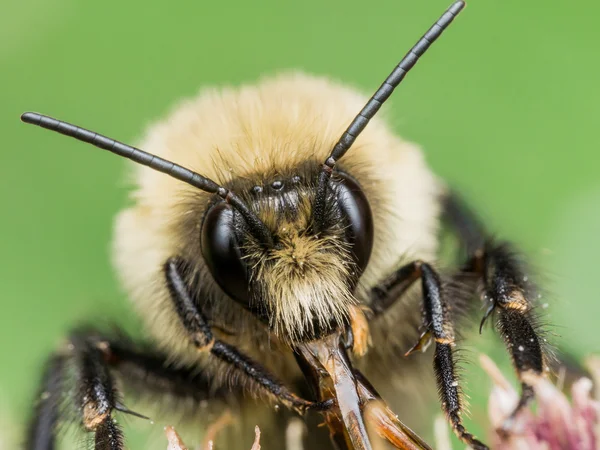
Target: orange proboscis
x=359 y=410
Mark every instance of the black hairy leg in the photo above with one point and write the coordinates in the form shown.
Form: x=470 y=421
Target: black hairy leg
x=201 y=336
x=96 y=361
x=508 y=292
x=437 y=326
x=510 y=295
x=94 y=395
x=385 y=294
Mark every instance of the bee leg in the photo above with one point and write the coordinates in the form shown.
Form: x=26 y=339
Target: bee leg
x=95 y=396
x=201 y=336
x=465 y=224
x=438 y=324
x=385 y=294
x=509 y=293
x=96 y=393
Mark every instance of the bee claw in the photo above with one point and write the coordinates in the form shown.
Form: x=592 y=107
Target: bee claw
x=487 y=314
x=303 y=406
x=422 y=343
x=322 y=406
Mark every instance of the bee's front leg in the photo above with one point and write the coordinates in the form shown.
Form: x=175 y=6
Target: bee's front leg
x=201 y=336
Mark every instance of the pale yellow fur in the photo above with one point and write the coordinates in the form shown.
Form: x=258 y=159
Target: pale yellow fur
x=306 y=283
x=251 y=131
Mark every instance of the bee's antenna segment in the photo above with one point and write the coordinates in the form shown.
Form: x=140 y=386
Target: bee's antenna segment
x=257 y=227
x=370 y=109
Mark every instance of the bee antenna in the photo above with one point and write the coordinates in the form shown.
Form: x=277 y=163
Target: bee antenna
x=370 y=109
x=258 y=229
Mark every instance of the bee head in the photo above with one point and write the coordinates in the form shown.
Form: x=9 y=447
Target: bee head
x=302 y=283
x=293 y=253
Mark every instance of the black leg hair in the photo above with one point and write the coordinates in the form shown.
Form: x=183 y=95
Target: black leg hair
x=201 y=336
x=437 y=324
x=96 y=393
x=510 y=296
x=508 y=292
x=95 y=397
x=108 y=436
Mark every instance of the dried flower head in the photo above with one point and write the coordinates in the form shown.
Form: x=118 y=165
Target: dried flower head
x=556 y=423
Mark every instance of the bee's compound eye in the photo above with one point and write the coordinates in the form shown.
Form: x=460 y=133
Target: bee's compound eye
x=355 y=206
x=222 y=254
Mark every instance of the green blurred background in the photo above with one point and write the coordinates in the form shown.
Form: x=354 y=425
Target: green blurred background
x=506 y=106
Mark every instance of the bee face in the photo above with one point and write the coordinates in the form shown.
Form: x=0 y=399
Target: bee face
x=303 y=284
x=266 y=143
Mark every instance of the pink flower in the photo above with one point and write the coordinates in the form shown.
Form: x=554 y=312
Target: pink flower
x=554 y=423
x=557 y=424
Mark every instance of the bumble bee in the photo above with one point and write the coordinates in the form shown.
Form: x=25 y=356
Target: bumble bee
x=279 y=259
